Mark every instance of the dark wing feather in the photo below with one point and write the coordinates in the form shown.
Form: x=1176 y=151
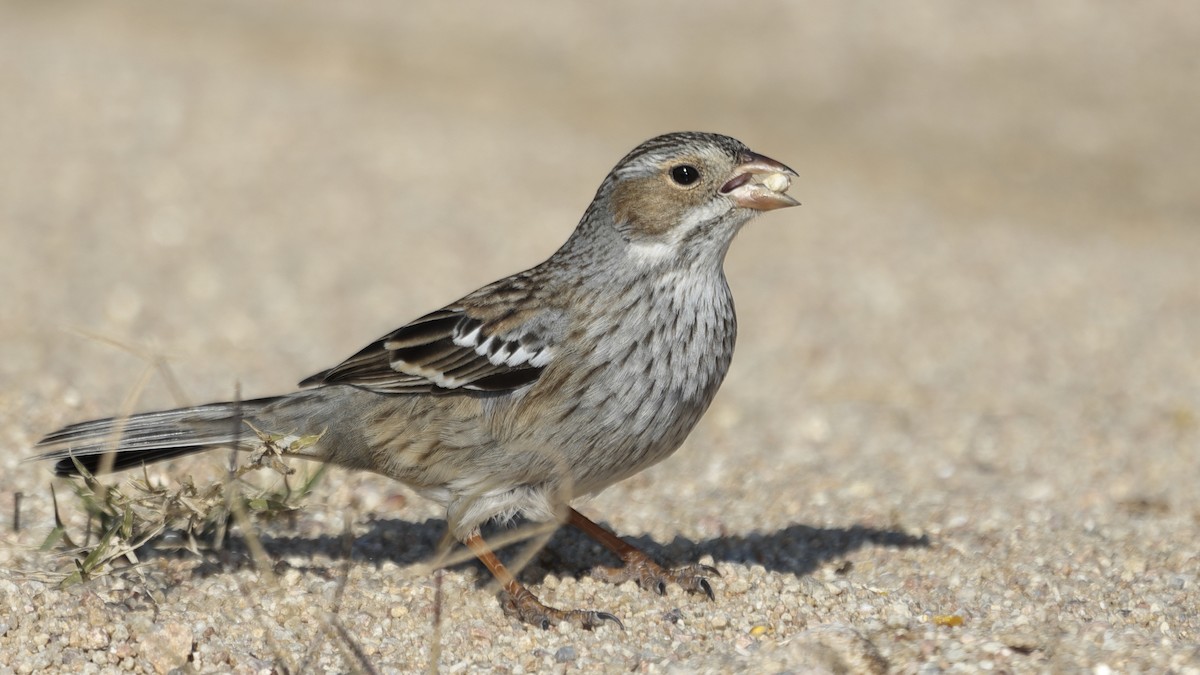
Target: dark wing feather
x=443 y=352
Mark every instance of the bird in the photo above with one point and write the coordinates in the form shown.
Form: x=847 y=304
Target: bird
x=533 y=391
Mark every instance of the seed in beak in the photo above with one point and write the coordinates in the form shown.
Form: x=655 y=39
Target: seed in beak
x=777 y=182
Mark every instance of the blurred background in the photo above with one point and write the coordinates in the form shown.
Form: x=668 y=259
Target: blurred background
x=986 y=311
x=303 y=175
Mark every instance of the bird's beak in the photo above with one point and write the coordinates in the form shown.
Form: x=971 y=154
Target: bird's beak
x=760 y=183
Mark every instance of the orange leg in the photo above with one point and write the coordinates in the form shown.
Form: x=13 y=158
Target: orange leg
x=523 y=604
x=638 y=566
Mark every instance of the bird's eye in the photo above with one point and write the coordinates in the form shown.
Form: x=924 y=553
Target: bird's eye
x=685 y=174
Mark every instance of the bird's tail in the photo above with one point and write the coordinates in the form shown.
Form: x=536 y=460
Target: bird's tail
x=153 y=437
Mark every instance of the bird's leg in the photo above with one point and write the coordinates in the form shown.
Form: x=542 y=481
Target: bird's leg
x=639 y=567
x=518 y=601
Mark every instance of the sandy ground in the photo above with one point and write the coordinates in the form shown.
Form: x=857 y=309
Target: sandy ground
x=961 y=432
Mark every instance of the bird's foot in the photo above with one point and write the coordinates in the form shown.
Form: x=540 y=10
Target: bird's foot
x=526 y=607
x=652 y=576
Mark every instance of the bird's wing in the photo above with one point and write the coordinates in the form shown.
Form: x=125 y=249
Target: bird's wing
x=453 y=349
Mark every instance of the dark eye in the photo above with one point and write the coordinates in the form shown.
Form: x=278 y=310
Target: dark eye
x=685 y=174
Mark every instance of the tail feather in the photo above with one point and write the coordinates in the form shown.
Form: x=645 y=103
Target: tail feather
x=149 y=437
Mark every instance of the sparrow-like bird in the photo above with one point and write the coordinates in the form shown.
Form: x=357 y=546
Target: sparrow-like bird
x=544 y=386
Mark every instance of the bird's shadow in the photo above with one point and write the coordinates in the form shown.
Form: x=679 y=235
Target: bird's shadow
x=796 y=549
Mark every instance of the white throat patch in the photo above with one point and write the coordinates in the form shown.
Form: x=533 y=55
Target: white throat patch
x=650 y=252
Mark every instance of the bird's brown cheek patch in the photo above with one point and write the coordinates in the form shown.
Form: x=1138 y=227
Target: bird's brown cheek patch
x=645 y=206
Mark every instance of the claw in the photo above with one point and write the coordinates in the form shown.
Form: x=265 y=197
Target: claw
x=605 y=616
x=528 y=609
x=589 y=619
x=652 y=576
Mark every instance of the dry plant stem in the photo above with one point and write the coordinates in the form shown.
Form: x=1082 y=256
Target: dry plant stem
x=127 y=407
x=352 y=652
x=435 y=650
x=153 y=360
x=523 y=604
x=638 y=566
x=264 y=566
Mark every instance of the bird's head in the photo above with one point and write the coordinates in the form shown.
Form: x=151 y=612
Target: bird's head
x=691 y=187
